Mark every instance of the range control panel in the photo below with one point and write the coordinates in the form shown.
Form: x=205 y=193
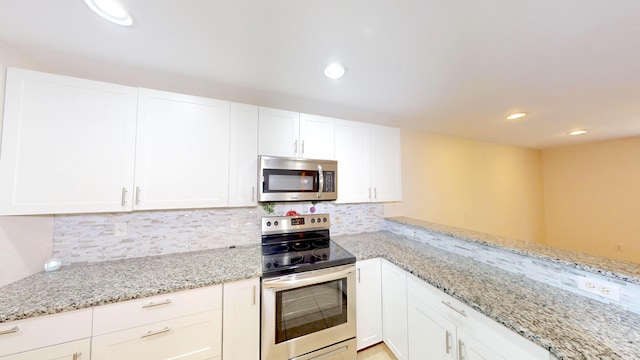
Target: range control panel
x=296 y=223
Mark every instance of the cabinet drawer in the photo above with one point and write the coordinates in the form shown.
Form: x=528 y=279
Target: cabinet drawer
x=44 y=331
x=193 y=337
x=133 y=313
x=443 y=304
x=75 y=350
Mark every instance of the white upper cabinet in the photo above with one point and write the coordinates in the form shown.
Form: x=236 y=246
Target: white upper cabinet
x=243 y=155
x=67 y=145
x=182 y=151
x=384 y=156
x=290 y=134
x=369 y=166
x=317 y=137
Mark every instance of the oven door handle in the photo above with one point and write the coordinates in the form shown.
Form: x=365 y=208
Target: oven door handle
x=312 y=277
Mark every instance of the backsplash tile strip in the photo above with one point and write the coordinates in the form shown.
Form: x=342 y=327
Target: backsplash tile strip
x=86 y=238
x=536 y=269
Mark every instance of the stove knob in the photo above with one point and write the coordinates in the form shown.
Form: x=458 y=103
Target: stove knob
x=313 y=220
x=275 y=264
x=319 y=220
x=268 y=265
x=268 y=223
x=324 y=220
x=275 y=223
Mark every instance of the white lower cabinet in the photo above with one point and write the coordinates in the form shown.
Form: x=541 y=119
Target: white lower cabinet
x=191 y=337
x=394 y=309
x=75 y=350
x=441 y=327
x=41 y=337
x=368 y=303
x=181 y=325
x=241 y=320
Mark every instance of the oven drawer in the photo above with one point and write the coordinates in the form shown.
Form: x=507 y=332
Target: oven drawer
x=345 y=350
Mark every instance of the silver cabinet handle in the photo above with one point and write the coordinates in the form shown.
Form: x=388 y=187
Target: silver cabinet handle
x=302 y=148
x=76 y=356
x=375 y=192
x=254 y=294
x=253 y=194
x=448 y=304
x=369 y=192
x=123 y=201
x=138 y=195
x=152 y=333
x=154 y=304
x=13 y=330
x=295 y=147
x=447 y=343
x=358 y=275
x=460 y=346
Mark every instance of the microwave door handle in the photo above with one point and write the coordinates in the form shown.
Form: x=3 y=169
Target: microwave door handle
x=321 y=181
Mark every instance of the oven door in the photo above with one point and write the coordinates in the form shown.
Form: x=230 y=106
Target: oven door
x=308 y=311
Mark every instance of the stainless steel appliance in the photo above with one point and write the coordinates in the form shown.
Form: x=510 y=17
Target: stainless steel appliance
x=293 y=179
x=308 y=291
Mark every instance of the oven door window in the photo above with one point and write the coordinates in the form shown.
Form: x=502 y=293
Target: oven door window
x=309 y=309
x=276 y=181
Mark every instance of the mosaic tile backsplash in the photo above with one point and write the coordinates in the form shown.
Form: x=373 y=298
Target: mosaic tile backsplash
x=92 y=237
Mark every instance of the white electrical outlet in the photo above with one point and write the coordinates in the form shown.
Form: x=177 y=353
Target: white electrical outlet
x=360 y=214
x=602 y=288
x=120 y=229
x=234 y=222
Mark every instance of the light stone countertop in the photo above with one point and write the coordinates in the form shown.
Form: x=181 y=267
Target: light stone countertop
x=569 y=326
x=85 y=285
x=617 y=269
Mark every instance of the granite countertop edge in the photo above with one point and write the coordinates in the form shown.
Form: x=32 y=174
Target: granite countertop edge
x=598 y=265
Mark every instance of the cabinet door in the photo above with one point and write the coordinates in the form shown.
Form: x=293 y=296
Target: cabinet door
x=241 y=319
x=430 y=336
x=182 y=151
x=352 y=150
x=385 y=163
x=317 y=137
x=75 y=350
x=193 y=337
x=471 y=349
x=67 y=145
x=394 y=309
x=369 y=303
x=243 y=156
x=278 y=132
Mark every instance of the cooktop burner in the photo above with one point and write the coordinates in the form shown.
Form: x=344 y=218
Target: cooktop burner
x=294 y=244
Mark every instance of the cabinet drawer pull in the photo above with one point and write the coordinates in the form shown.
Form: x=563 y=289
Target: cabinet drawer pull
x=448 y=304
x=152 y=333
x=76 y=356
x=13 y=330
x=154 y=304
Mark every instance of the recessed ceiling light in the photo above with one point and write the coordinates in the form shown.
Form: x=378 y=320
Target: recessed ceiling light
x=516 y=116
x=334 y=71
x=577 y=132
x=110 y=10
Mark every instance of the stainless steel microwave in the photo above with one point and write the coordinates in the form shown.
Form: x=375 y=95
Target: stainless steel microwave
x=293 y=179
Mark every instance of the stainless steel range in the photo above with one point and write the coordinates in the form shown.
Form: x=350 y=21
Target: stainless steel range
x=308 y=293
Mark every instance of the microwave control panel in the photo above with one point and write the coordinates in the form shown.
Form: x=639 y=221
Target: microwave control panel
x=329 y=181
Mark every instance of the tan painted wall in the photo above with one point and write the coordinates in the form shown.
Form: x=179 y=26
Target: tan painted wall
x=470 y=184
x=592 y=198
x=25 y=241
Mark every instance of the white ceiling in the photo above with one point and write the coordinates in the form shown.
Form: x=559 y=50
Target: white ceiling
x=455 y=67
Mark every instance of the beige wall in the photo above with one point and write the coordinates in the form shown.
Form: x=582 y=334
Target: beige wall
x=470 y=184
x=25 y=241
x=592 y=198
